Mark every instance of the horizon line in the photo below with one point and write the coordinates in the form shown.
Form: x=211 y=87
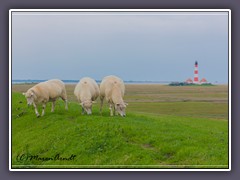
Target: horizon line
x=162 y=81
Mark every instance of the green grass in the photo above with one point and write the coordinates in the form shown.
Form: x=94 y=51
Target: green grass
x=146 y=138
x=186 y=109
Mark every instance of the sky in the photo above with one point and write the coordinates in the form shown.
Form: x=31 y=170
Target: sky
x=153 y=46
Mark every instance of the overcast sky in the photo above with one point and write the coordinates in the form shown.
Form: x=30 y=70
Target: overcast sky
x=158 y=46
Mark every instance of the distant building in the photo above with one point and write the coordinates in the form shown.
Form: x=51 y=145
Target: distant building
x=196 y=77
x=203 y=81
x=194 y=81
x=189 y=81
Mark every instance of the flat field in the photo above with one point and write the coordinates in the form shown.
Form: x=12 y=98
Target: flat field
x=165 y=127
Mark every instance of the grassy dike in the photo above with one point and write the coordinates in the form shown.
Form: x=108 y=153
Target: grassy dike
x=143 y=139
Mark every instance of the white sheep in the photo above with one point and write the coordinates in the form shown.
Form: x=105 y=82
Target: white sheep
x=86 y=91
x=113 y=89
x=46 y=91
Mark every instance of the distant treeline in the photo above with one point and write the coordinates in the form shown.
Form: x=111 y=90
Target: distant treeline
x=188 y=84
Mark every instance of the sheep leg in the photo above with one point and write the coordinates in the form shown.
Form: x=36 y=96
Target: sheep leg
x=43 y=110
x=53 y=106
x=101 y=104
x=111 y=110
x=35 y=108
x=66 y=104
x=114 y=110
x=64 y=98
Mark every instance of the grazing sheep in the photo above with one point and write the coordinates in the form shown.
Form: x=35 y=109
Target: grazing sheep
x=86 y=91
x=46 y=91
x=113 y=89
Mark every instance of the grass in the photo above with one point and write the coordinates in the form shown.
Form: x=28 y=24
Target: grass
x=186 y=109
x=159 y=134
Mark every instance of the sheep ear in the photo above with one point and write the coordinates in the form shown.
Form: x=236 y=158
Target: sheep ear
x=94 y=102
x=126 y=104
x=24 y=94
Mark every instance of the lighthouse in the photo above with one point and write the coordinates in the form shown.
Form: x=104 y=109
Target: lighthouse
x=195 y=80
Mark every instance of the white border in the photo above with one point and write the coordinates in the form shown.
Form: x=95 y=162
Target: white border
x=229 y=86
x=119 y=10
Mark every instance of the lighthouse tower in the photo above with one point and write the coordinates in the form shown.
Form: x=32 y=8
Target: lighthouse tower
x=195 y=80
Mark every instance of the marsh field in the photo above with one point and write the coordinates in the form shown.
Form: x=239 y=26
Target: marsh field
x=165 y=127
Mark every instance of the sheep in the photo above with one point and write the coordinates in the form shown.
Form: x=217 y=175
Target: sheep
x=113 y=89
x=86 y=91
x=44 y=92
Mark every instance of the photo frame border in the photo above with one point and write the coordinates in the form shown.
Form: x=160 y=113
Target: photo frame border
x=120 y=10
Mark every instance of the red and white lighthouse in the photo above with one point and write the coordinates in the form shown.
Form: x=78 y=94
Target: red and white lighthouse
x=195 y=80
